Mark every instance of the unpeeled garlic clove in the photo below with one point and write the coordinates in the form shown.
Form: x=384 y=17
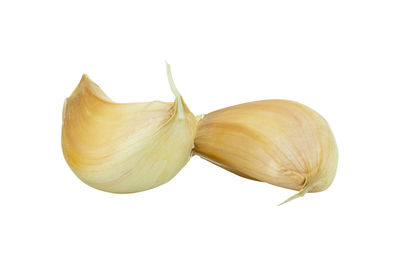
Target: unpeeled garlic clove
x=125 y=148
x=280 y=142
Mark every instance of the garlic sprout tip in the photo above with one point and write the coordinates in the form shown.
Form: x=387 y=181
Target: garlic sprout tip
x=175 y=91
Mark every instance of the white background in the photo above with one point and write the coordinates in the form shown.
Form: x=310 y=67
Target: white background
x=342 y=58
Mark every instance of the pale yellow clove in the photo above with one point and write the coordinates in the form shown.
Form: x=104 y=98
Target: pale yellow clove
x=280 y=142
x=125 y=148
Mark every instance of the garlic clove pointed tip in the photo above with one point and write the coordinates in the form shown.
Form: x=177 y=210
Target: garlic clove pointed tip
x=301 y=193
x=175 y=91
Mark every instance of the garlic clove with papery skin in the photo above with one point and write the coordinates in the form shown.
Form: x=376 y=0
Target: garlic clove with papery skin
x=280 y=142
x=128 y=147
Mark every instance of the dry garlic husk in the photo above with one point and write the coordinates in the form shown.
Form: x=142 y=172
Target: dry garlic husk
x=127 y=147
x=280 y=142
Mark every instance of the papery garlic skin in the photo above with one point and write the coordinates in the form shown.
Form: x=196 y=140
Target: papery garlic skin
x=124 y=148
x=280 y=142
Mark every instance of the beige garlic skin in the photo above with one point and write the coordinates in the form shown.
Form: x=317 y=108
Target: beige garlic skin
x=280 y=142
x=125 y=148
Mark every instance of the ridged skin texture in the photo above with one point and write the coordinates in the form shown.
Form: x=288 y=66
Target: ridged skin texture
x=124 y=148
x=280 y=142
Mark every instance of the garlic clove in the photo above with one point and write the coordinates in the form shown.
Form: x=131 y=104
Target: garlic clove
x=127 y=147
x=280 y=142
